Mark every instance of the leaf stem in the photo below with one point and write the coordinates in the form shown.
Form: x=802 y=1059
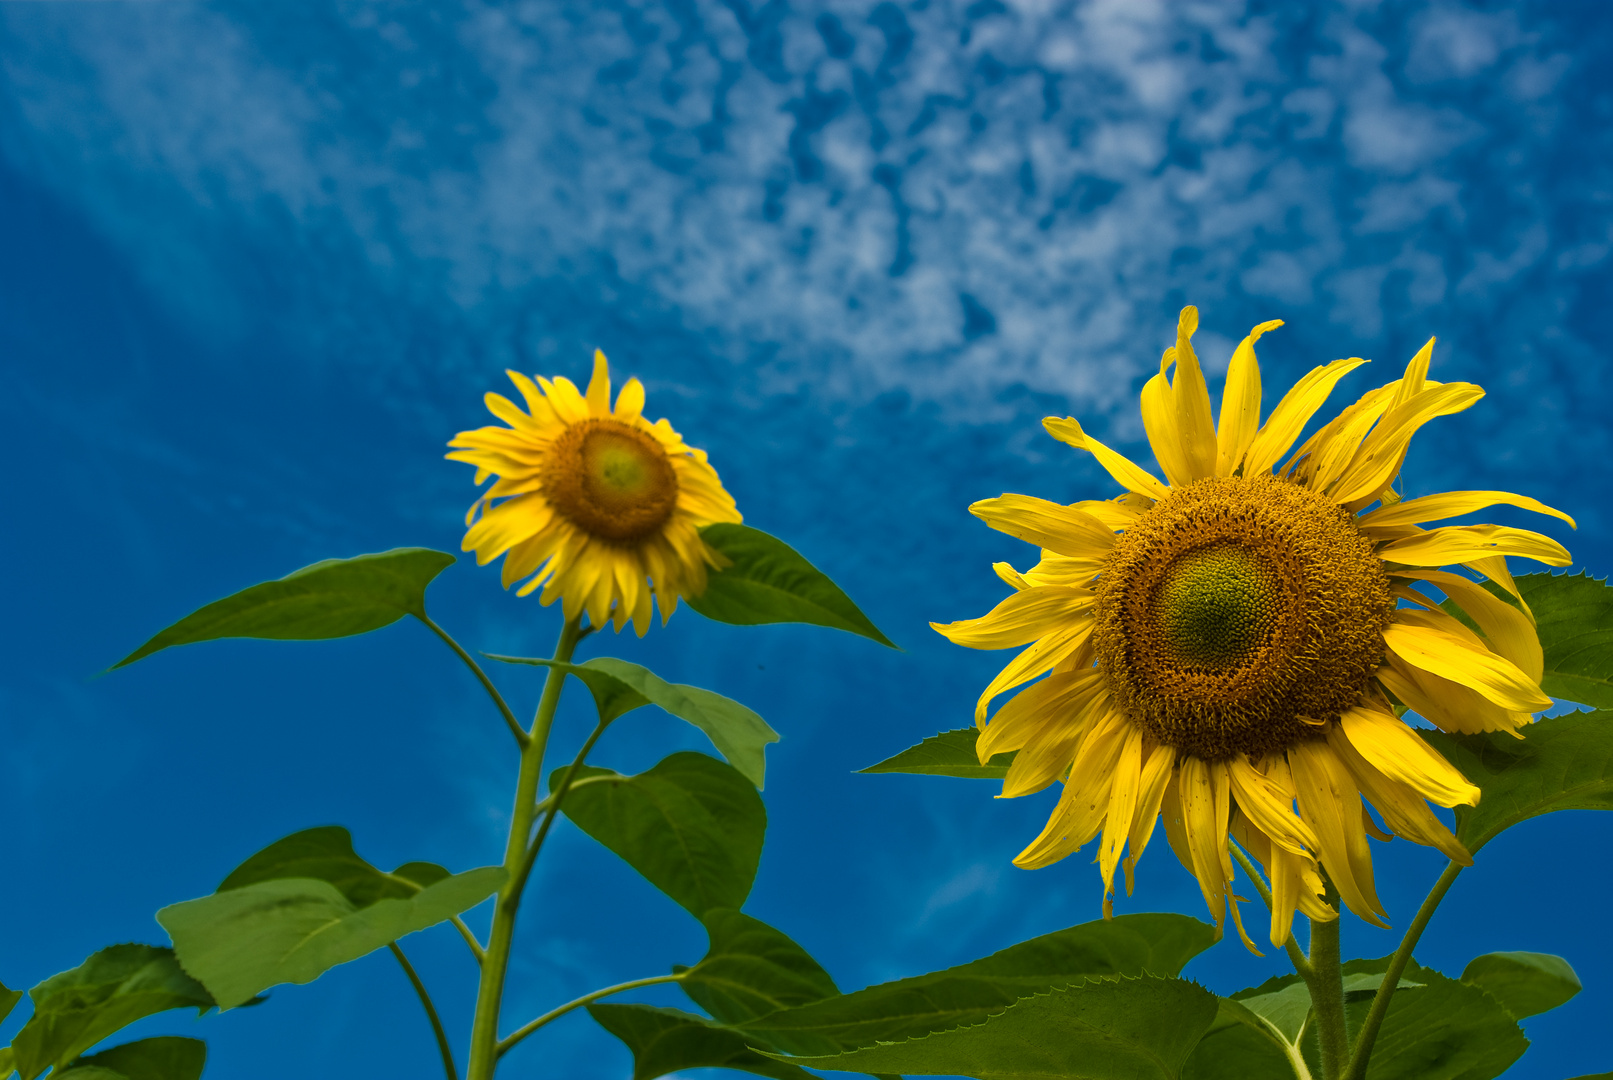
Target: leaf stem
x=431 y=1012
x=1326 y=984
x=489 y=997
x=510 y=721
x=470 y=939
x=558 y=795
x=509 y=1041
x=1296 y=955
x=1391 y=977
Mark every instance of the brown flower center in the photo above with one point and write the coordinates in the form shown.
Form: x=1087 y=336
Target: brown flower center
x=1236 y=610
x=610 y=480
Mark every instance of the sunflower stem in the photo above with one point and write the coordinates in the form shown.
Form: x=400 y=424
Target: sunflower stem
x=1326 y=984
x=496 y=957
x=1391 y=977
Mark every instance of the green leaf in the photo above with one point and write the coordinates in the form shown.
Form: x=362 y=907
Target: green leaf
x=739 y=734
x=951 y=753
x=769 y=582
x=1116 y=1028
x=691 y=825
x=1525 y=983
x=1561 y=763
x=752 y=969
x=167 y=1057
x=330 y=599
x=107 y=992
x=1155 y=943
x=1574 y=614
x=669 y=1040
x=8 y=1001
x=305 y=904
x=1447 y=1030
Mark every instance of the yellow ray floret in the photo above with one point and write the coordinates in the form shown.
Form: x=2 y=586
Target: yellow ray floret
x=595 y=505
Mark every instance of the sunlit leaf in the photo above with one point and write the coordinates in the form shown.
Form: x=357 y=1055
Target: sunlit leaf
x=692 y=825
x=669 y=1040
x=1561 y=763
x=305 y=904
x=1574 y=613
x=167 y=1057
x=109 y=991
x=1525 y=983
x=752 y=969
x=1116 y=1028
x=769 y=582
x=618 y=687
x=951 y=753
x=8 y=1000
x=1157 y=944
x=1446 y=1030
x=330 y=599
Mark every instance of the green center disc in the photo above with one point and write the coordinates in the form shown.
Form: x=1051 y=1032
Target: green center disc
x=1216 y=605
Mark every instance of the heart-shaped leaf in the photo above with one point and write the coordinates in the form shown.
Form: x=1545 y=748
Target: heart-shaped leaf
x=618 y=687
x=951 y=753
x=1446 y=1030
x=1525 y=983
x=1574 y=615
x=691 y=825
x=669 y=1040
x=305 y=904
x=109 y=991
x=752 y=969
x=768 y=581
x=330 y=599
x=167 y=1057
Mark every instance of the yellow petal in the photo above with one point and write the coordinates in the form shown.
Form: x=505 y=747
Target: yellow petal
x=1295 y=884
x=509 y=412
x=630 y=402
x=1510 y=632
x=1050 y=746
x=1240 y=403
x=1192 y=401
x=1403 y=809
x=1034 y=662
x=1156 y=775
x=1449 y=504
x=569 y=405
x=599 y=387
x=1132 y=478
x=1119 y=818
x=1326 y=454
x=1401 y=754
x=1110 y=513
x=1468 y=543
x=1058 y=699
x=1378 y=460
x=1020 y=619
x=1079 y=813
x=1446 y=704
x=1158 y=404
x=1331 y=804
x=1013 y=577
x=1056 y=569
x=1206 y=810
x=536 y=403
x=1416 y=375
x=1269 y=808
x=1414 y=638
x=1063 y=529
x=1291 y=415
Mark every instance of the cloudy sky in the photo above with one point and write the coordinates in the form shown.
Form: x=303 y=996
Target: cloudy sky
x=262 y=261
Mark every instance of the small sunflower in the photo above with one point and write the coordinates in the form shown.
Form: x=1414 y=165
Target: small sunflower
x=1227 y=649
x=598 y=506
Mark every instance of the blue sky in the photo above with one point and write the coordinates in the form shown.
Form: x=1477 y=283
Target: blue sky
x=262 y=263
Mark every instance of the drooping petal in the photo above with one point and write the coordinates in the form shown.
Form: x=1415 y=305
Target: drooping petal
x=1130 y=476
x=1449 y=504
x=1292 y=413
x=1124 y=793
x=1420 y=640
x=1446 y=704
x=1157 y=770
x=1020 y=619
x=1206 y=808
x=1240 y=403
x=1079 y=813
x=1510 y=631
x=1330 y=802
x=1401 y=754
x=1063 y=529
x=1269 y=807
x=1469 y=543
x=1403 y=809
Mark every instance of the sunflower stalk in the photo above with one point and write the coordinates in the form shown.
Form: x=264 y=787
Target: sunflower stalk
x=1326 y=983
x=517 y=861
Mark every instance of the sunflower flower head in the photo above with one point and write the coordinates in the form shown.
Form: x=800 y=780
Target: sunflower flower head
x=596 y=505
x=1231 y=650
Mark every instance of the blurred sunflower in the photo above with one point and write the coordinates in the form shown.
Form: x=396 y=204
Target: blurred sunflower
x=1225 y=649
x=598 y=506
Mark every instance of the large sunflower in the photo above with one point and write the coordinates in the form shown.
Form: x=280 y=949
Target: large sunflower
x=1227 y=649
x=598 y=506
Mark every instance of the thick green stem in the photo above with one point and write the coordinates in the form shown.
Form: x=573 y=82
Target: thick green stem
x=587 y=999
x=1391 y=978
x=496 y=959
x=481 y=676
x=431 y=1012
x=1327 y=997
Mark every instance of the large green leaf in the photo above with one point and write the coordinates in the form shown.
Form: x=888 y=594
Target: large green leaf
x=1561 y=763
x=1116 y=1028
x=669 y=1040
x=739 y=734
x=167 y=1057
x=1525 y=983
x=107 y=992
x=752 y=969
x=951 y=753
x=305 y=904
x=8 y=1001
x=1157 y=944
x=1574 y=614
x=330 y=599
x=769 y=582
x=1447 y=1030
x=691 y=825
